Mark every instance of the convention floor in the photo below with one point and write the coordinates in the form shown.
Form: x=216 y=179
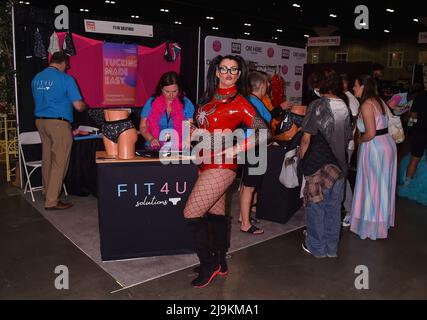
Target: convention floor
x=31 y=248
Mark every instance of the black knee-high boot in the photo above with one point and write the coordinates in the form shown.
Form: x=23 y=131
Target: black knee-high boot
x=220 y=239
x=209 y=266
x=218 y=227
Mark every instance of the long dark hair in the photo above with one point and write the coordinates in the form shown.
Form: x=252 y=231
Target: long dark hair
x=212 y=80
x=370 y=90
x=167 y=79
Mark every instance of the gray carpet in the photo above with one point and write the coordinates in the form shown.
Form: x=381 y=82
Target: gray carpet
x=80 y=225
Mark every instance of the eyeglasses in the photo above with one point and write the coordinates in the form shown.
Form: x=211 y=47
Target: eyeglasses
x=232 y=70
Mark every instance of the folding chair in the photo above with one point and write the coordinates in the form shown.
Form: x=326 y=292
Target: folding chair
x=31 y=138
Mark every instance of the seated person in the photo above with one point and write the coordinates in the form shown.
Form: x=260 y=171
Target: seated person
x=163 y=114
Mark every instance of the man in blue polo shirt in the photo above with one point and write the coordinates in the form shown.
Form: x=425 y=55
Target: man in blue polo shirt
x=55 y=94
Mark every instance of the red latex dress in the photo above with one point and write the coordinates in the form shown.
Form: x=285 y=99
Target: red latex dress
x=226 y=110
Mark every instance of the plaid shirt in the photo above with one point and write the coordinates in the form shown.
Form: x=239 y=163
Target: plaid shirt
x=323 y=178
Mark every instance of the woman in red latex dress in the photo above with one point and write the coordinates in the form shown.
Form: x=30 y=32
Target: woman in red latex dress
x=223 y=106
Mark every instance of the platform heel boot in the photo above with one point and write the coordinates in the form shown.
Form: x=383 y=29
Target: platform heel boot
x=220 y=240
x=209 y=266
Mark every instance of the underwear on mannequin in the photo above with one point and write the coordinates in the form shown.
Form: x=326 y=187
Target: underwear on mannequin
x=113 y=129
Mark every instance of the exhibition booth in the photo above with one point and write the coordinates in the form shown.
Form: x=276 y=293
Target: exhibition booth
x=140 y=200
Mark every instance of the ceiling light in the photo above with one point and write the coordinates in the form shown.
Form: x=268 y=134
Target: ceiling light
x=307 y=36
x=164 y=10
x=274 y=38
x=389 y=10
x=333 y=15
x=27 y=3
x=107 y=1
x=296 y=5
x=363 y=24
x=86 y=10
x=279 y=30
x=82 y=9
x=415 y=20
x=135 y=17
x=210 y=18
x=247 y=34
x=113 y=2
x=387 y=31
x=215 y=28
x=178 y=22
x=21 y=2
x=248 y=25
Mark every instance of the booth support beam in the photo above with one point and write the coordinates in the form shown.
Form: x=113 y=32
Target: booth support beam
x=16 y=88
x=198 y=64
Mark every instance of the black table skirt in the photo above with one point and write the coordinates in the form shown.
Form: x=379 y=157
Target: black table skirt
x=81 y=177
x=275 y=202
x=140 y=206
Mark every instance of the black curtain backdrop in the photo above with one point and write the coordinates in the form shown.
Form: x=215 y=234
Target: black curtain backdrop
x=29 y=19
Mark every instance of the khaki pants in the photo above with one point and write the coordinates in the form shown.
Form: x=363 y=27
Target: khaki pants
x=57 y=141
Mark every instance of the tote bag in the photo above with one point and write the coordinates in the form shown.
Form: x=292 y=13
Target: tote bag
x=395 y=127
x=288 y=176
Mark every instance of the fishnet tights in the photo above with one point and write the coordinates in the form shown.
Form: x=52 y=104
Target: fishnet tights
x=208 y=194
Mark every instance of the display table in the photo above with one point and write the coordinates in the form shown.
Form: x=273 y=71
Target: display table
x=140 y=206
x=275 y=202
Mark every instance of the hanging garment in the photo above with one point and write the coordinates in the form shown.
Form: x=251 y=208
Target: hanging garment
x=277 y=90
x=54 y=43
x=68 y=45
x=27 y=42
x=39 y=48
x=172 y=51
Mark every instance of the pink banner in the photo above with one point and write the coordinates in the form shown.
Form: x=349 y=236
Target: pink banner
x=87 y=67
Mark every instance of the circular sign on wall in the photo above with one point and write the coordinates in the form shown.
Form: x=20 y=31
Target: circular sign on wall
x=270 y=52
x=216 y=45
x=285 y=69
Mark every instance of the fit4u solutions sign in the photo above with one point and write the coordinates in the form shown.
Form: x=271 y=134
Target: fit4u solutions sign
x=141 y=207
x=112 y=27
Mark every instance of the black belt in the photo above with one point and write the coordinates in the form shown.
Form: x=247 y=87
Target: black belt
x=381 y=132
x=49 y=118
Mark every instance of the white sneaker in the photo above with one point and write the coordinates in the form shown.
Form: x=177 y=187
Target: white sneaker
x=346 y=223
x=304 y=247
